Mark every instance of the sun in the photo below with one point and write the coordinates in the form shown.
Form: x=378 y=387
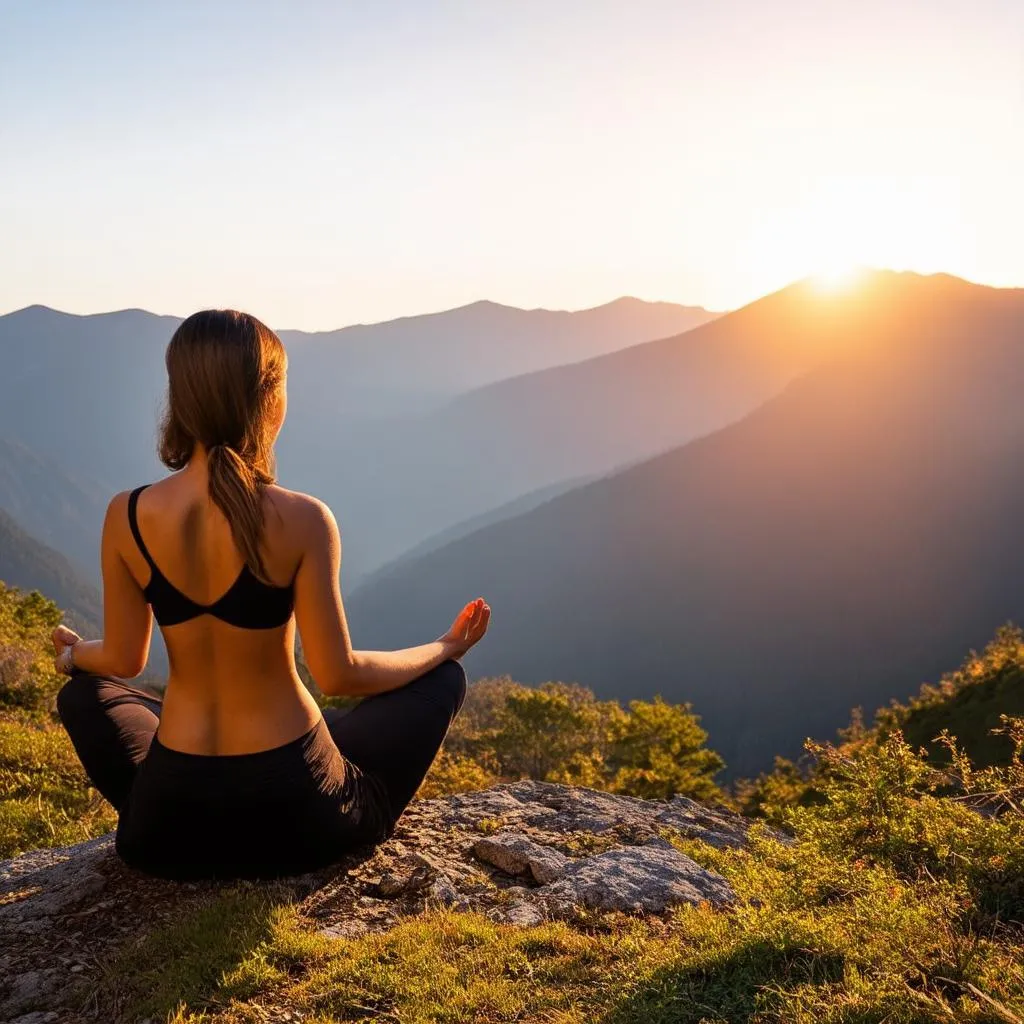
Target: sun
x=827 y=232
x=838 y=276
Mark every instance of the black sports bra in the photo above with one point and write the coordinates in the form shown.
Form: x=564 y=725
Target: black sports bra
x=248 y=603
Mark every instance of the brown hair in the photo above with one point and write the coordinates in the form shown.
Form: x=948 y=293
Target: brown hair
x=224 y=370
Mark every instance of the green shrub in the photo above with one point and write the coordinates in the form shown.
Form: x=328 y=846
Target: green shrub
x=559 y=732
x=27 y=677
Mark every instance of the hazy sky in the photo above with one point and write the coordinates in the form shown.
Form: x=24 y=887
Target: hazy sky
x=325 y=163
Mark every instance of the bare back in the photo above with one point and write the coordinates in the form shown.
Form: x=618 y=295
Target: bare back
x=231 y=690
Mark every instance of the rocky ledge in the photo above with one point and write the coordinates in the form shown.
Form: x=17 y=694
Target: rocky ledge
x=521 y=853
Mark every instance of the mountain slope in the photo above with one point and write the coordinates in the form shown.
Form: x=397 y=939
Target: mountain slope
x=836 y=547
x=507 y=511
x=396 y=482
x=66 y=513
x=29 y=564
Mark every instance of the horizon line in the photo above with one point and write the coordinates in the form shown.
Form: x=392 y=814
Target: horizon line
x=388 y=320
x=523 y=309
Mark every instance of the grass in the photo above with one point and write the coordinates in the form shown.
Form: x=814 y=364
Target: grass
x=192 y=959
x=813 y=937
x=45 y=799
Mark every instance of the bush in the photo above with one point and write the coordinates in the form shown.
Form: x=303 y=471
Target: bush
x=657 y=750
x=27 y=677
x=452 y=773
x=559 y=732
x=887 y=803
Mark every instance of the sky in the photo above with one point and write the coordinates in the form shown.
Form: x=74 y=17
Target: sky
x=320 y=164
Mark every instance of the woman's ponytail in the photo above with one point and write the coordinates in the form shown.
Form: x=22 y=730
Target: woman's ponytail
x=236 y=488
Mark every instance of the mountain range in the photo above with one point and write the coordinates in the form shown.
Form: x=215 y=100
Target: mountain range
x=83 y=394
x=837 y=546
x=414 y=363
x=396 y=485
x=801 y=506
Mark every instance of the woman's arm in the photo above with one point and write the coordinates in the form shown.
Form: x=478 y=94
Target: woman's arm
x=123 y=649
x=335 y=666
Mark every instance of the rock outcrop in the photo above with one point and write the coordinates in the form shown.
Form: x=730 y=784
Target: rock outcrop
x=521 y=853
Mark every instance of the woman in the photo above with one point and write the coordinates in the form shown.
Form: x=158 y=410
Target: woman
x=236 y=773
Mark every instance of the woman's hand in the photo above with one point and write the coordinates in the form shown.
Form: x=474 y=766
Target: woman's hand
x=469 y=626
x=62 y=638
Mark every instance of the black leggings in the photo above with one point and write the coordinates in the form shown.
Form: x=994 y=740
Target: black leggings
x=268 y=814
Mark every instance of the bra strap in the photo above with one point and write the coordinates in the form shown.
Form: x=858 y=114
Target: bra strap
x=133 y=500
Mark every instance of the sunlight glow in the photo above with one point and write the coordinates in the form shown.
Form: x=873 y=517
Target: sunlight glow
x=838 y=277
x=844 y=223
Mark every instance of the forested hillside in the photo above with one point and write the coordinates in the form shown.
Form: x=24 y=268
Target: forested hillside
x=966 y=729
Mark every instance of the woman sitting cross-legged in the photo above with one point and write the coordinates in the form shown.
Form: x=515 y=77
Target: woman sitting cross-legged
x=236 y=772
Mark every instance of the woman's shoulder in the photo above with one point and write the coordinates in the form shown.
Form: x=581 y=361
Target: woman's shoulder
x=305 y=510
x=305 y=523
x=117 y=507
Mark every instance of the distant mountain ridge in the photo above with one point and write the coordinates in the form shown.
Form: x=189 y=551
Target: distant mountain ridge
x=416 y=363
x=455 y=350
x=422 y=359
